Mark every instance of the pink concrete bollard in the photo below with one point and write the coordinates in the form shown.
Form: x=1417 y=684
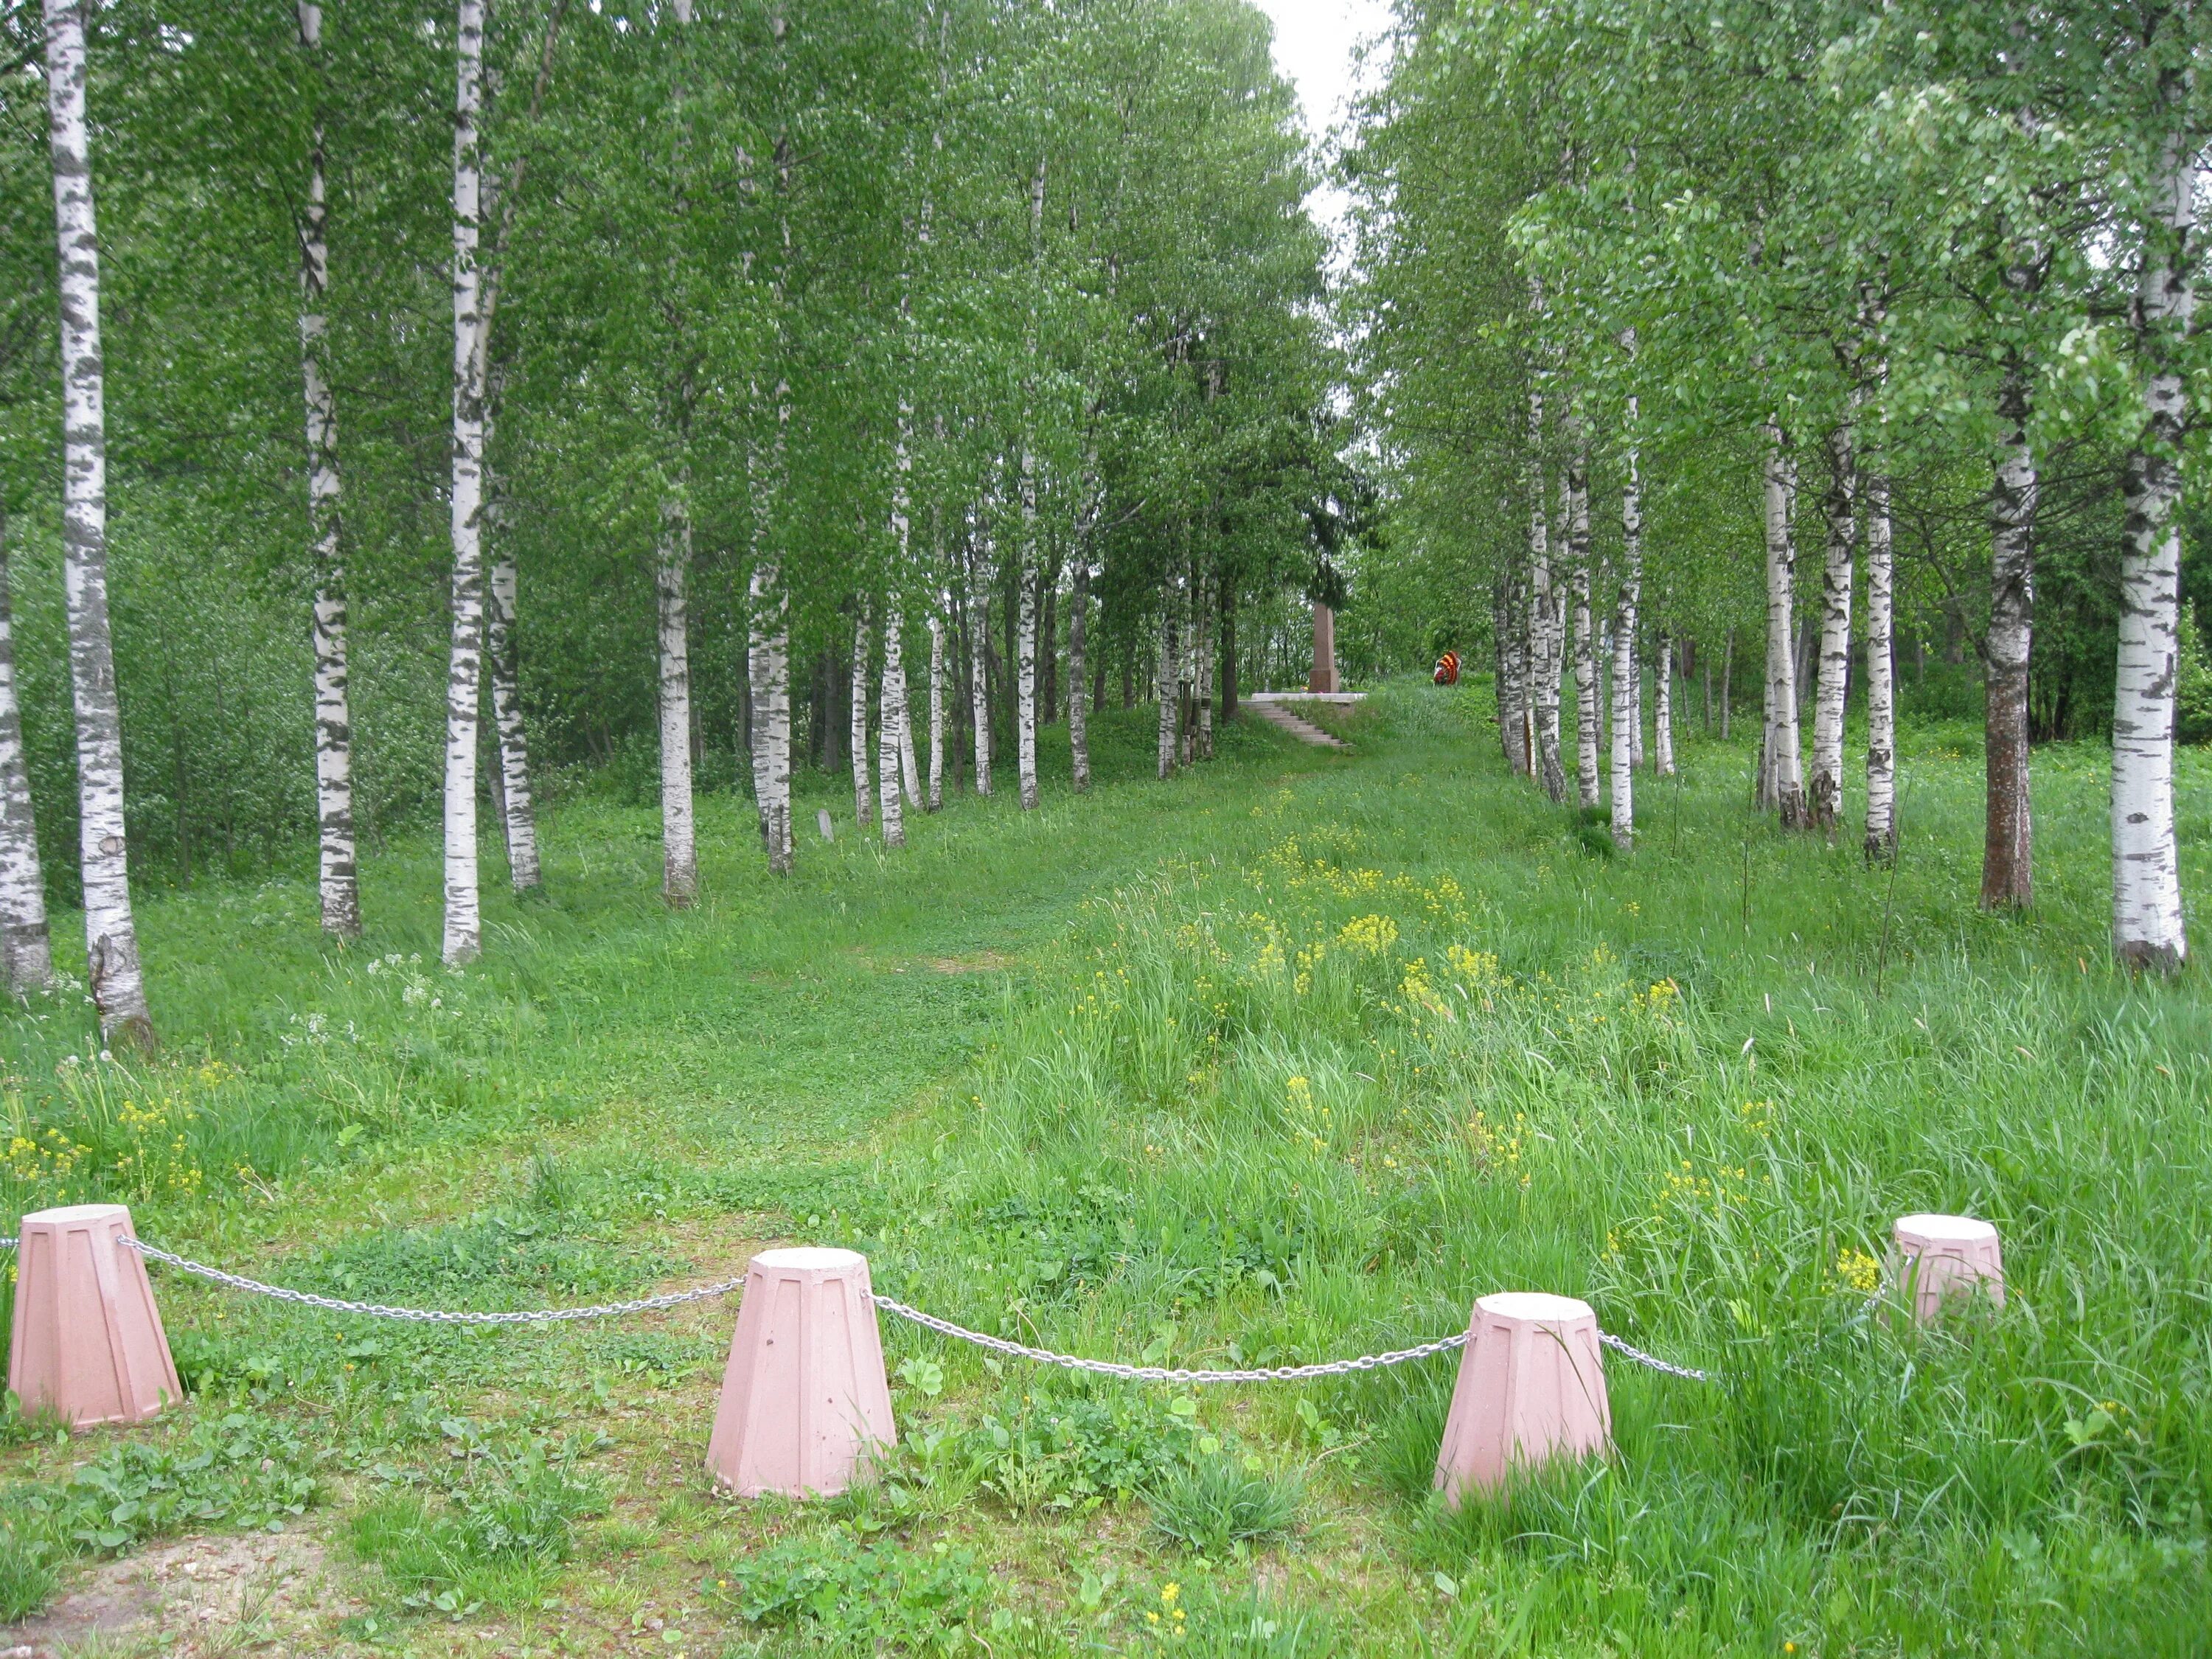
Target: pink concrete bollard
x=1939 y=1256
x=804 y=1398
x=1531 y=1387
x=88 y=1344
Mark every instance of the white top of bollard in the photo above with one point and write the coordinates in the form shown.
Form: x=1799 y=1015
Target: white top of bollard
x=70 y=1213
x=813 y=1258
x=1943 y=1229
x=1537 y=1307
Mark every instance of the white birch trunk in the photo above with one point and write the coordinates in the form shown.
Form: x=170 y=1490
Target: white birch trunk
x=464 y=924
x=1781 y=775
x=1204 y=630
x=1543 y=620
x=979 y=654
x=2148 y=929
x=1625 y=722
x=937 y=708
x=679 y=840
x=111 y=936
x=1079 y=690
x=26 y=958
x=1881 y=689
x=1170 y=688
x=2008 y=842
x=339 y=879
x=1575 y=503
x=891 y=735
x=767 y=654
x=501 y=597
x=1662 y=708
x=1027 y=563
x=863 y=785
x=1825 y=795
x=1025 y=644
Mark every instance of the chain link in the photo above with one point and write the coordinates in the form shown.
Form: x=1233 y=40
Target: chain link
x=1687 y=1373
x=432 y=1315
x=1167 y=1373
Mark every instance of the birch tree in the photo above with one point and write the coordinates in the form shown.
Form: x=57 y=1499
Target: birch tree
x=1881 y=689
x=1826 y=794
x=111 y=936
x=464 y=923
x=340 y=889
x=1625 y=719
x=2148 y=929
x=27 y=961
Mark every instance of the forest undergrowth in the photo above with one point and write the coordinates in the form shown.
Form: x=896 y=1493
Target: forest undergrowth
x=1285 y=1060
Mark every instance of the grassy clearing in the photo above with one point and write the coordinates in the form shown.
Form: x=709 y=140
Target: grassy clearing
x=1284 y=1060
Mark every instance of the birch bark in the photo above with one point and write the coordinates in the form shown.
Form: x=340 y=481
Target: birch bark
x=1881 y=689
x=937 y=708
x=1201 y=665
x=26 y=958
x=338 y=880
x=679 y=841
x=1575 y=503
x=1543 y=621
x=2008 y=857
x=1825 y=796
x=1025 y=649
x=890 y=728
x=2148 y=929
x=1663 y=708
x=1625 y=720
x=1170 y=660
x=1078 y=699
x=111 y=936
x=464 y=925
x=979 y=653
x=1781 y=775
x=520 y=816
x=863 y=786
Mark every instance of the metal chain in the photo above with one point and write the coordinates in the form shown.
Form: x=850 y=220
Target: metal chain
x=1166 y=1373
x=433 y=1316
x=1687 y=1373
x=929 y=1322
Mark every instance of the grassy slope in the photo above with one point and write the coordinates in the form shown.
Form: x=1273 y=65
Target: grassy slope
x=1083 y=1076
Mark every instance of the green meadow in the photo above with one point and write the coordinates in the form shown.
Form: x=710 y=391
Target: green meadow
x=1287 y=1060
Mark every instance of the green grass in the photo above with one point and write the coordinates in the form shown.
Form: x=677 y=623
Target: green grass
x=1285 y=1060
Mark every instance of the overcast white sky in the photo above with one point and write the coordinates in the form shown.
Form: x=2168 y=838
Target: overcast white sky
x=1313 y=42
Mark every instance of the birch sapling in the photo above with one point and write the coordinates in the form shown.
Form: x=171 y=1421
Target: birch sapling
x=26 y=958
x=337 y=879
x=110 y=935
x=1825 y=793
x=2148 y=929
